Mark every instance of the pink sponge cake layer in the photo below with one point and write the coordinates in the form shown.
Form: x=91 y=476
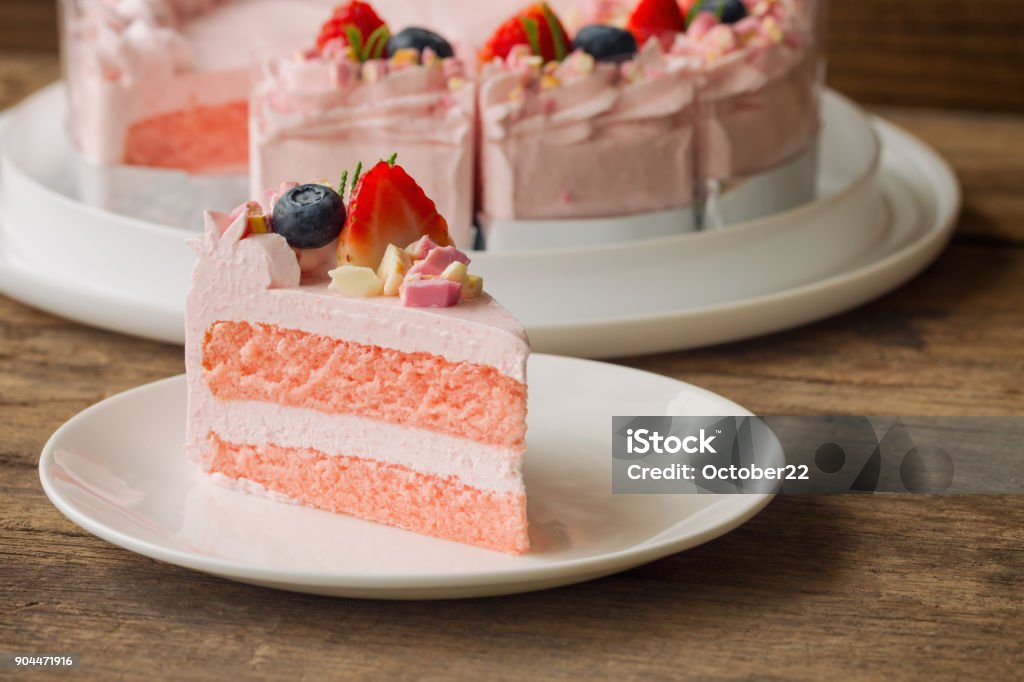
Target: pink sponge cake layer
x=199 y=138
x=289 y=367
x=385 y=493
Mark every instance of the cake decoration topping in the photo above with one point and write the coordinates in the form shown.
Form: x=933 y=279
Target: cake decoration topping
x=605 y=43
x=430 y=292
x=700 y=25
x=537 y=27
x=456 y=272
x=395 y=264
x=727 y=11
x=256 y=219
x=419 y=249
x=437 y=260
x=405 y=57
x=717 y=28
x=472 y=287
x=440 y=279
x=387 y=207
x=659 y=19
x=355 y=33
x=419 y=39
x=356 y=281
x=356 y=25
x=309 y=216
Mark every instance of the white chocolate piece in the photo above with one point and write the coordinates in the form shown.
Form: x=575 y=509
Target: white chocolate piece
x=395 y=262
x=456 y=272
x=393 y=284
x=356 y=281
x=472 y=286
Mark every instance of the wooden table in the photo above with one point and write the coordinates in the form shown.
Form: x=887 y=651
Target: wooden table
x=812 y=588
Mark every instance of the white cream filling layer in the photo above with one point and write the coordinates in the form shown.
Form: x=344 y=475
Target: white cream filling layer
x=485 y=467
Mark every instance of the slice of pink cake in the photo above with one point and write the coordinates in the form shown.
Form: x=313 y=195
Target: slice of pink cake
x=390 y=388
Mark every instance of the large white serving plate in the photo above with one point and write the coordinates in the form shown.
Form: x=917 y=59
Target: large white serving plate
x=119 y=470
x=874 y=226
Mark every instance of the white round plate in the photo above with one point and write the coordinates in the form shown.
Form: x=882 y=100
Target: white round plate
x=119 y=470
x=873 y=229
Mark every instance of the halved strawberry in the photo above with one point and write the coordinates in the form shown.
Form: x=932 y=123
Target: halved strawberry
x=659 y=18
x=537 y=26
x=387 y=207
x=357 y=25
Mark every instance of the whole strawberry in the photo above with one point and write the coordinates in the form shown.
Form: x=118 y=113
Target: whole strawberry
x=660 y=19
x=357 y=25
x=537 y=26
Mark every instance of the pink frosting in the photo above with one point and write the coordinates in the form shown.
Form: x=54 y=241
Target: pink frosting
x=586 y=139
x=314 y=116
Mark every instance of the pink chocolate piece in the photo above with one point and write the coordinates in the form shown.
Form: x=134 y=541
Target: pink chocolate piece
x=437 y=260
x=747 y=26
x=701 y=24
x=239 y=210
x=268 y=198
x=432 y=292
x=419 y=249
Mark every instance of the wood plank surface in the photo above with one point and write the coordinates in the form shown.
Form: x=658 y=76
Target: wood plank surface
x=831 y=587
x=940 y=53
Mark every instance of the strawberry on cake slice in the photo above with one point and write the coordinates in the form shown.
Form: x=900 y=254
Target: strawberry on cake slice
x=361 y=92
x=390 y=387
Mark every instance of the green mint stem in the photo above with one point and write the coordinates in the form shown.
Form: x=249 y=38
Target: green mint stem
x=359 y=171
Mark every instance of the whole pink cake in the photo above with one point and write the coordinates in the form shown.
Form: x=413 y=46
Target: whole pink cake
x=630 y=119
x=389 y=387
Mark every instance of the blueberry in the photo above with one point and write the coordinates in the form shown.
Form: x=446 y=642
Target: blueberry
x=728 y=11
x=605 y=43
x=309 y=216
x=419 y=39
